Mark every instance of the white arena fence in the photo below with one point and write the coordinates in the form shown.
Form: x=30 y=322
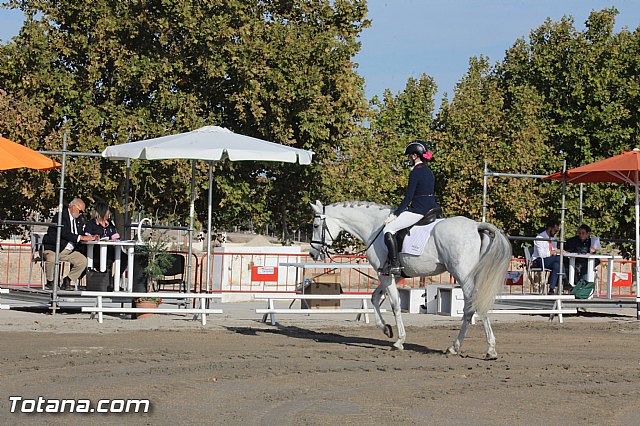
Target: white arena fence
x=100 y=297
x=4 y=291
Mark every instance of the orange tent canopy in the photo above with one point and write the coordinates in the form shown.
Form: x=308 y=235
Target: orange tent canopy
x=16 y=156
x=622 y=168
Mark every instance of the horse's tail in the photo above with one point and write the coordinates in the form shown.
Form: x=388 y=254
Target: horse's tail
x=489 y=273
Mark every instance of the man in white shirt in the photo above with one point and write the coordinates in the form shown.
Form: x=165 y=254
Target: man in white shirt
x=545 y=251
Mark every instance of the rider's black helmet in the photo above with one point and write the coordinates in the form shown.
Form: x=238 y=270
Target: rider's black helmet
x=415 y=147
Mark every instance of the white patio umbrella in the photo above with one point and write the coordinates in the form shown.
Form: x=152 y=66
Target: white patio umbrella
x=209 y=143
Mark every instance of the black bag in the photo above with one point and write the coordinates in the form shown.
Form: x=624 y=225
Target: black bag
x=99 y=281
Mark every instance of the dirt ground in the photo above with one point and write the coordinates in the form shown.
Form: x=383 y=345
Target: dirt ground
x=241 y=371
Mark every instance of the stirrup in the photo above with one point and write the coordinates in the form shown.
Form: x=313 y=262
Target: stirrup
x=388 y=271
x=395 y=271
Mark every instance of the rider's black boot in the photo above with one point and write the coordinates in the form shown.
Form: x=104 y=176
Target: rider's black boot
x=392 y=248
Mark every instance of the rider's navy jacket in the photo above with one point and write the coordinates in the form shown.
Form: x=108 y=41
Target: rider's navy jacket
x=420 y=196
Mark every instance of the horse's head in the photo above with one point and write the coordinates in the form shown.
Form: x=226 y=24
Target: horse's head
x=325 y=230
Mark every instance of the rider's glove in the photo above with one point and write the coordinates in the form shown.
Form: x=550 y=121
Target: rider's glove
x=391 y=218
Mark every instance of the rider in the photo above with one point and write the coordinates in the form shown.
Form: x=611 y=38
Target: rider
x=419 y=201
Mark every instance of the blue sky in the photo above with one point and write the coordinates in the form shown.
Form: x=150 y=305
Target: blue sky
x=437 y=37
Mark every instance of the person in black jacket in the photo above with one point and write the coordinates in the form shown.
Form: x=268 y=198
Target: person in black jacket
x=418 y=201
x=102 y=226
x=583 y=243
x=70 y=235
x=100 y=223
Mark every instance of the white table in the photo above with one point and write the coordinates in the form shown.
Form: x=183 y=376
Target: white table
x=127 y=246
x=327 y=265
x=302 y=266
x=591 y=259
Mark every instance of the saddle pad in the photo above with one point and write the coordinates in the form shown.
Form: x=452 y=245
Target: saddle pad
x=415 y=242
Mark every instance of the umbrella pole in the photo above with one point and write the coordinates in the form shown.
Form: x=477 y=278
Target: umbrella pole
x=192 y=211
x=637 y=250
x=484 y=192
x=56 y=268
x=580 y=215
x=209 y=227
x=127 y=182
x=564 y=194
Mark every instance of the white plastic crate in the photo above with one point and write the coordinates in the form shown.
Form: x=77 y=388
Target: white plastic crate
x=450 y=301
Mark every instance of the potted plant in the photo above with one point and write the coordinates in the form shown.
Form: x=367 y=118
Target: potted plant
x=146 y=302
x=157 y=260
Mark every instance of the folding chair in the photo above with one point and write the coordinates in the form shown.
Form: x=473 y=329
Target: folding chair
x=37 y=256
x=541 y=272
x=176 y=270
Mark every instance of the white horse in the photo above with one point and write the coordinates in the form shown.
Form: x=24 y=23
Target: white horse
x=476 y=254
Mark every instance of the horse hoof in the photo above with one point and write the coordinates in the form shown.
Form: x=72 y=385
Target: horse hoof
x=388 y=331
x=397 y=347
x=450 y=351
x=491 y=357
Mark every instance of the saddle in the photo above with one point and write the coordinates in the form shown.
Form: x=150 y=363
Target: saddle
x=429 y=217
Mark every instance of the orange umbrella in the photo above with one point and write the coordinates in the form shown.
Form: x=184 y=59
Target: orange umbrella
x=16 y=156
x=622 y=168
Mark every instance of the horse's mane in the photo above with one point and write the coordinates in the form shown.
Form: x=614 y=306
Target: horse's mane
x=353 y=203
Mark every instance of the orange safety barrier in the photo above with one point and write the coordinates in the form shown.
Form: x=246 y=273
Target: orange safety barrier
x=251 y=272
x=15 y=259
x=515 y=276
x=622 y=280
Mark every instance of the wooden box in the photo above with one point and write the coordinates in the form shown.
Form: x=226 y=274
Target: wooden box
x=321 y=288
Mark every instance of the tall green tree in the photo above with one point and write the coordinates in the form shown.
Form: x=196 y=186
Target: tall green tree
x=371 y=164
x=111 y=72
x=481 y=126
x=587 y=84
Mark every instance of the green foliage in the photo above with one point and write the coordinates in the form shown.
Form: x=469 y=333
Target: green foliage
x=111 y=72
x=158 y=259
x=511 y=137
x=371 y=165
x=587 y=92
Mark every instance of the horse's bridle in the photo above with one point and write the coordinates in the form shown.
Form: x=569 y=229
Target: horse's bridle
x=324 y=247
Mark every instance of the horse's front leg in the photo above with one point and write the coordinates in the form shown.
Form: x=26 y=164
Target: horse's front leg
x=394 y=300
x=376 y=301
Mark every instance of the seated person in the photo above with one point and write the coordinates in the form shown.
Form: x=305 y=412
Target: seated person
x=70 y=235
x=101 y=224
x=545 y=252
x=102 y=227
x=583 y=243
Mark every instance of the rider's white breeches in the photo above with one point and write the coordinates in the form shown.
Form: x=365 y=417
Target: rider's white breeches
x=405 y=220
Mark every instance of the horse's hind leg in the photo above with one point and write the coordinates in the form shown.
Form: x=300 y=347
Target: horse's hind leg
x=394 y=299
x=466 y=320
x=457 y=344
x=491 y=339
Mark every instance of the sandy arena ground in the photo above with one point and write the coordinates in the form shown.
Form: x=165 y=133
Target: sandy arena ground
x=324 y=370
